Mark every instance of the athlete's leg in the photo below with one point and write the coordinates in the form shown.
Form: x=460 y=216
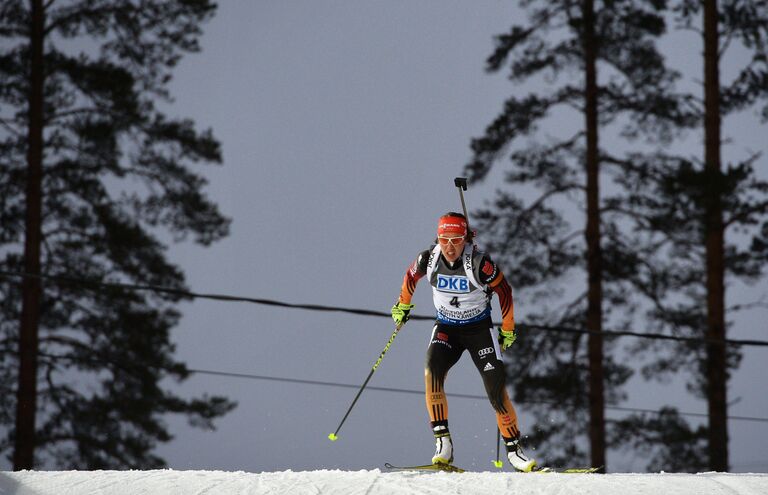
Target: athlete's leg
x=484 y=348
x=443 y=352
x=486 y=354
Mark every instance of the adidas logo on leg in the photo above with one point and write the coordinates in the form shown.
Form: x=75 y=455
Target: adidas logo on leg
x=488 y=367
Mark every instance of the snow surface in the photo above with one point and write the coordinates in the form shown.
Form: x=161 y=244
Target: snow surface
x=170 y=482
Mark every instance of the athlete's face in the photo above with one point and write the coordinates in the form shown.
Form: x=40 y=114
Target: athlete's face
x=451 y=246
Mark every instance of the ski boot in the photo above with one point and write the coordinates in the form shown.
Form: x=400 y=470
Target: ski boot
x=517 y=457
x=443 y=449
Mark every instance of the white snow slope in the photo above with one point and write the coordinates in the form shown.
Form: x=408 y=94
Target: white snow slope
x=170 y=482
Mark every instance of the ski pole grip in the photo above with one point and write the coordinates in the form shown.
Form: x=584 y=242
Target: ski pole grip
x=461 y=184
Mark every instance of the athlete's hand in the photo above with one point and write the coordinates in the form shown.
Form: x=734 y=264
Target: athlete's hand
x=401 y=312
x=506 y=338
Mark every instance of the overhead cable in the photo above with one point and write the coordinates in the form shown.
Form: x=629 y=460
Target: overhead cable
x=421 y=392
x=368 y=312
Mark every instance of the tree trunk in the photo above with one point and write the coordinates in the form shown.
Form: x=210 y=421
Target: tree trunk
x=26 y=398
x=594 y=252
x=714 y=238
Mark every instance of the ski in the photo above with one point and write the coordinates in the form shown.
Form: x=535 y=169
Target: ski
x=571 y=470
x=447 y=468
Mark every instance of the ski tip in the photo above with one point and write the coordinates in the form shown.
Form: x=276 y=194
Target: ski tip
x=332 y=437
x=498 y=464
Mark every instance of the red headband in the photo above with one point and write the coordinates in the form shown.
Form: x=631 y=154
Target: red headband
x=452 y=225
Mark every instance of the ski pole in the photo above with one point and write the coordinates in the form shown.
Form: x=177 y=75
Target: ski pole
x=498 y=462
x=461 y=184
x=334 y=436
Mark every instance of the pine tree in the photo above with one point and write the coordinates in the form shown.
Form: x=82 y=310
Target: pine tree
x=562 y=51
x=688 y=209
x=93 y=175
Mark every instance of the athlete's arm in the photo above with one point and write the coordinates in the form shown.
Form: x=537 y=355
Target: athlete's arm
x=417 y=270
x=491 y=275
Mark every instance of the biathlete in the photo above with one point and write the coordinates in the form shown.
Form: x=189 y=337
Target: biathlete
x=463 y=280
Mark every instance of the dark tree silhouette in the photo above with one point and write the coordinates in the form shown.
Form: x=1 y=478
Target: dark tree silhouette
x=562 y=52
x=92 y=177
x=687 y=208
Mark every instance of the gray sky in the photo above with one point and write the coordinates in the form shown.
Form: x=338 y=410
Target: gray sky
x=343 y=124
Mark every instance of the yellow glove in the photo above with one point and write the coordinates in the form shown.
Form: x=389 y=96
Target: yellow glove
x=401 y=312
x=506 y=338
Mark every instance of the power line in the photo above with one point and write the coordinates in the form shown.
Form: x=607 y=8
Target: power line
x=421 y=392
x=367 y=312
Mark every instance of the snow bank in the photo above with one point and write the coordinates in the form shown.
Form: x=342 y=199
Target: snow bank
x=169 y=482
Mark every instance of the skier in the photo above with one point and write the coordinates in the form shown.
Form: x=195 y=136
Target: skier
x=463 y=280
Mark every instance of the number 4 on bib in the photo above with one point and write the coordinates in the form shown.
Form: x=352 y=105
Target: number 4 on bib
x=455 y=301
